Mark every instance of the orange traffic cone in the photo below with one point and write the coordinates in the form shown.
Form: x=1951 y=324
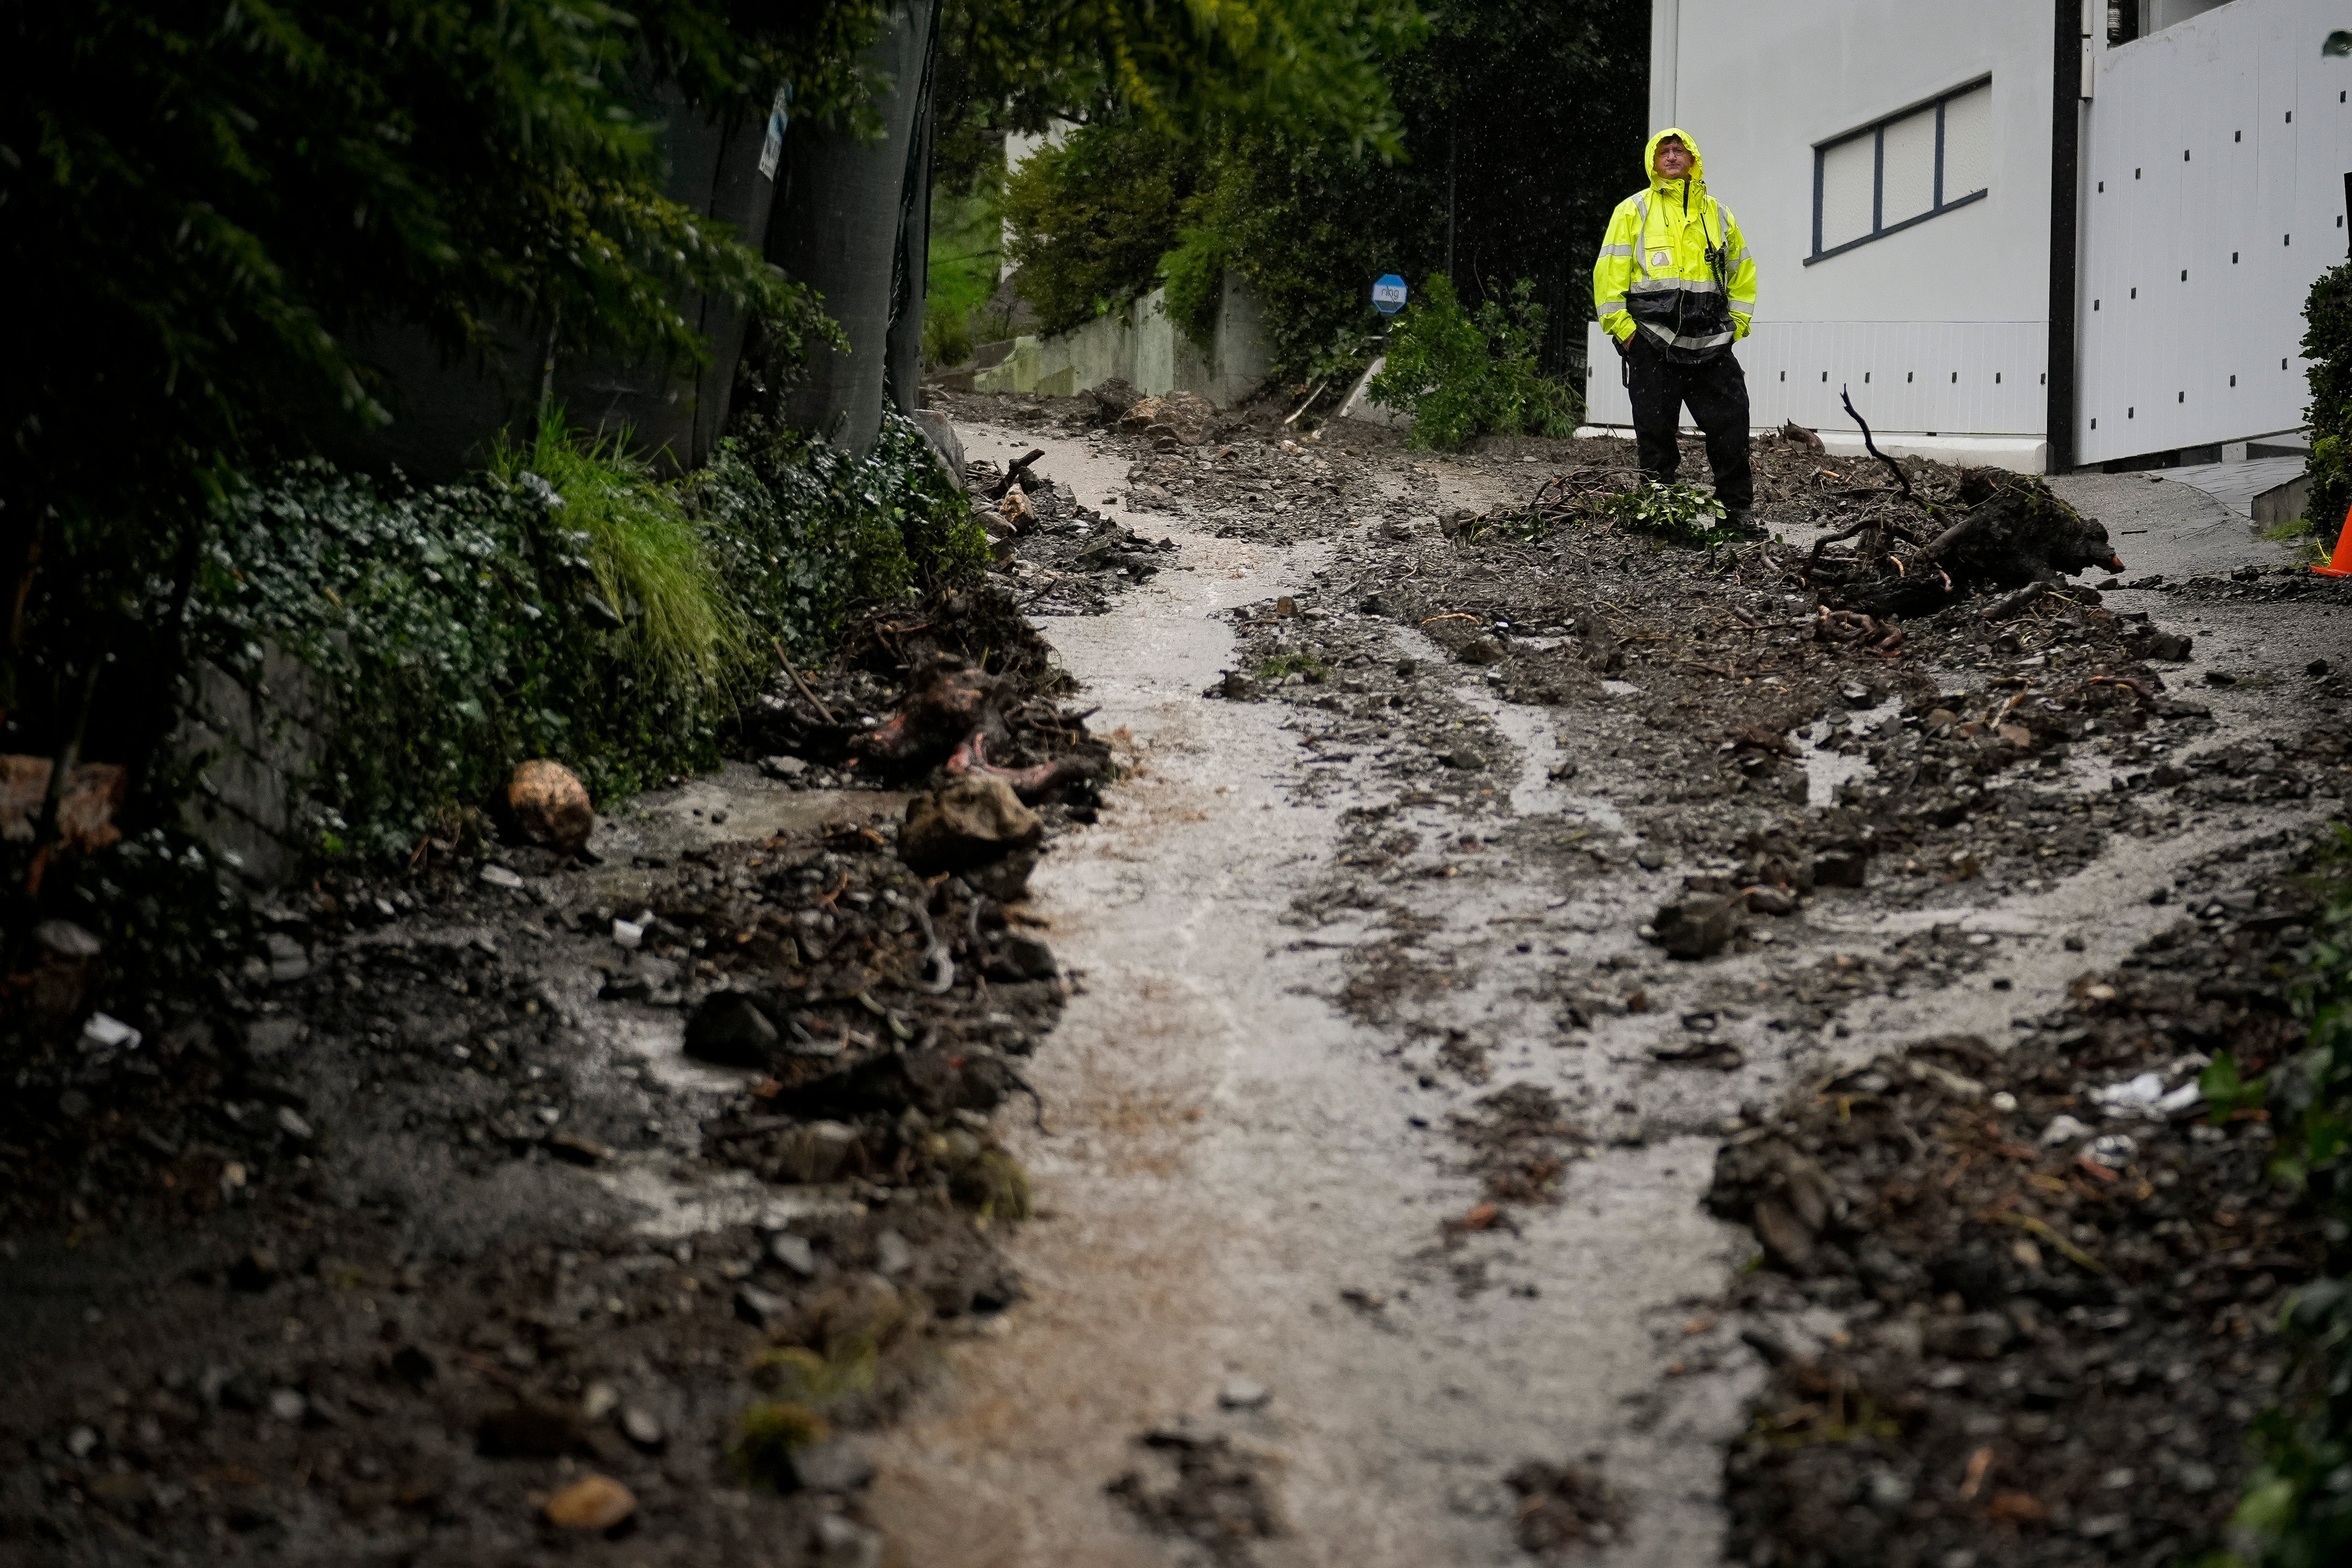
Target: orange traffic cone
x=2342 y=565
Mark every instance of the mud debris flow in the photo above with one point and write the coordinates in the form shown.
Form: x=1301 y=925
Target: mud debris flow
x=1270 y=1031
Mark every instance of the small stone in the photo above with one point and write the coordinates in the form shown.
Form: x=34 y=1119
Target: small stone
x=1838 y=868
x=64 y=939
x=758 y=1307
x=834 y=1465
x=81 y=1441
x=599 y=1401
x=2316 y=667
x=499 y=876
x=1243 y=1393
x=290 y=1123
x=102 y=1031
x=785 y=767
x=731 y=1029
x=287 y=1405
x=642 y=1427
x=592 y=1502
x=628 y=933
x=892 y=1255
x=1466 y=759
x=1699 y=926
x=2064 y=1130
x=1480 y=650
x=793 y=1253
x=1772 y=901
x=1649 y=860
x=843 y=1543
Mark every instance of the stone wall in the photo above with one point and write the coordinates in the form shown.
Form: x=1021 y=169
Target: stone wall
x=1143 y=348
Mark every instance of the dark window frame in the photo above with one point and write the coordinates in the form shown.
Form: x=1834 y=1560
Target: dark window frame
x=1876 y=131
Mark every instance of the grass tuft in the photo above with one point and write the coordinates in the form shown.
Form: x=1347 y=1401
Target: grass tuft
x=644 y=551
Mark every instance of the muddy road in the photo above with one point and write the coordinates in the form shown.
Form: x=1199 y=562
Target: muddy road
x=1383 y=1188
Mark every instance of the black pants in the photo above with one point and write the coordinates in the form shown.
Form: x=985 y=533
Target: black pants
x=1717 y=393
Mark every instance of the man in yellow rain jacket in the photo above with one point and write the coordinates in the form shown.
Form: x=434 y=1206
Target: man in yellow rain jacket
x=1675 y=288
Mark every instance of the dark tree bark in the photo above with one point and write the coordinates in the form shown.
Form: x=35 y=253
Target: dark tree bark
x=838 y=227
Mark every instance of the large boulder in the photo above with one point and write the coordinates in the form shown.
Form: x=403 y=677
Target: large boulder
x=549 y=806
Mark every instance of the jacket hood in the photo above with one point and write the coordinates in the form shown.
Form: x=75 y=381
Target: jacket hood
x=1650 y=157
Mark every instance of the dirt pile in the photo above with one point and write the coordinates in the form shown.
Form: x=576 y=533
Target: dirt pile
x=2054 y=1281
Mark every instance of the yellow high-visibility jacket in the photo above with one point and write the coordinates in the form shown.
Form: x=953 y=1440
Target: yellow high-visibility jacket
x=1654 y=275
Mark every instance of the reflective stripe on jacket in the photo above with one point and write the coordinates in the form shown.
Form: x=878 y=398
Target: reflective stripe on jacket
x=1653 y=274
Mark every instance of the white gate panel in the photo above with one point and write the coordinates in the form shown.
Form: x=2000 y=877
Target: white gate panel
x=2213 y=179
x=1944 y=378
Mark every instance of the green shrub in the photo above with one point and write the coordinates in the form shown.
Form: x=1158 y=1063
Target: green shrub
x=2327 y=345
x=1195 y=276
x=1461 y=375
x=1092 y=217
x=966 y=252
x=2296 y=1512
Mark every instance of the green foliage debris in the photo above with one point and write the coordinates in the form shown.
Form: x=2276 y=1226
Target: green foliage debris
x=1677 y=512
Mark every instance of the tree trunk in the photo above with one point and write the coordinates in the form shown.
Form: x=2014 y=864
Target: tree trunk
x=838 y=228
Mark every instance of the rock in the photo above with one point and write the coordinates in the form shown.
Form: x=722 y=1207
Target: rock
x=759 y=1308
x=1838 y=868
x=1243 y=1393
x=842 y=1544
x=592 y=1502
x=290 y=1123
x=815 y=1153
x=1480 y=650
x=1772 y=901
x=1026 y=958
x=64 y=939
x=892 y=1255
x=2316 y=667
x=970 y=822
x=579 y=1150
x=785 y=767
x=628 y=933
x=288 y=1404
x=288 y=961
x=642 y=1427
x=1699 y=927
x=1467 y=760
x=549 y=806
x=1006 y=881
x=103 y=1031
x=793 y=1253
x=833 y=1465
x=2064 y=1130
x=499 y=876
x=729 y=1030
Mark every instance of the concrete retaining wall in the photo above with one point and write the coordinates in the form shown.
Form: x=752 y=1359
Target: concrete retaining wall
x=1143 y=348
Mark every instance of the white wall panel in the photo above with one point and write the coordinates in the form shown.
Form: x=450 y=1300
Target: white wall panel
x=1948 y=378
x=2252 y=214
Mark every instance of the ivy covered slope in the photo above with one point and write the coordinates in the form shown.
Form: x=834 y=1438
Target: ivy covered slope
x=561 y=605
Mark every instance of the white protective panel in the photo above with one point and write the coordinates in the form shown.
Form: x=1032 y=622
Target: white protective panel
x=1907 y=186
x=1951 y=377
x=1968 y=144
x=1848 y=174
x=2213 y=169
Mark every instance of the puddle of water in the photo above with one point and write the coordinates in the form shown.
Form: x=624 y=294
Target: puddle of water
x=1825 y=770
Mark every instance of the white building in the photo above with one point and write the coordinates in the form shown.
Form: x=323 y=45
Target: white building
x=2037 y=233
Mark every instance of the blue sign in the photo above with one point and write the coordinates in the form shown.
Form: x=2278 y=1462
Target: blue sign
x=1388 y=294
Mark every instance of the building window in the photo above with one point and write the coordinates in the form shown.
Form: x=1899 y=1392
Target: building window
x=1904 y=170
